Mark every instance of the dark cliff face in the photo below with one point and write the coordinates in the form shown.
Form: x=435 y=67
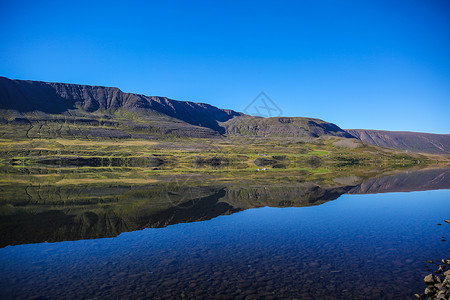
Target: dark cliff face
x=57 y=98
x=403 y=140
x=25 y=95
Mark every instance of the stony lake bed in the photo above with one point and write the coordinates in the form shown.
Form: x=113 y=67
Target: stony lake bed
x=366 y=240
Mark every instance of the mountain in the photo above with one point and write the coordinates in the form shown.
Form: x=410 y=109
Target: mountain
x=36 y=109
x=58 y=98
x=405 y=140
x=48 y=109
x=282 y=126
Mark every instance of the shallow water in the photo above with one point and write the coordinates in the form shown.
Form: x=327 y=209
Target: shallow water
x=356 y=247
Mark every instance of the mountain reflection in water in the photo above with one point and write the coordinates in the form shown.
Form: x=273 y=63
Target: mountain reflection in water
x=31 y=214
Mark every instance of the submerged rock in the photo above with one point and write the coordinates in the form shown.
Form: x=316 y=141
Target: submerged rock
x=438 y=284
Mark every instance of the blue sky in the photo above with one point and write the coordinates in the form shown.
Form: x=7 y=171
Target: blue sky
x=359 y=64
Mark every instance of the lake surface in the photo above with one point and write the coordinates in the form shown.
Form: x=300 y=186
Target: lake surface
x=359 y=246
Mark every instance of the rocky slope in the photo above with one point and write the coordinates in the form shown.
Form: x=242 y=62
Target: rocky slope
x=409 y=141
x=282 y=126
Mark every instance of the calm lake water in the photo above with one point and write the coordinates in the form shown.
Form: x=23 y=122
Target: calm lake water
x=356 y=247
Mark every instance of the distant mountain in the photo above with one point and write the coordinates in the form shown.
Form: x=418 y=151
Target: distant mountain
x=405 y=140
x=282 y=126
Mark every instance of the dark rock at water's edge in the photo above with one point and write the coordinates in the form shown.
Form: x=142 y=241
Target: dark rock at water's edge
x=438 y=284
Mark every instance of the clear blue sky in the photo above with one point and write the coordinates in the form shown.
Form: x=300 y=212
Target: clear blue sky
x=360 y=64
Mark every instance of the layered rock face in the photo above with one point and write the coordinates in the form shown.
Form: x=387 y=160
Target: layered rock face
x=57 y=98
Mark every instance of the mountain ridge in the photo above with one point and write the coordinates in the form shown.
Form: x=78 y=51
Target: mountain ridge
x=45 y=108
x=421 y=142
x=27 y=96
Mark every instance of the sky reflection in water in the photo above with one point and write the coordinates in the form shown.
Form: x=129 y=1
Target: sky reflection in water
x=359 y=246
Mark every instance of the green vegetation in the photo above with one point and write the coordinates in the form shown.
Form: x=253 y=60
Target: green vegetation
x=178 y=155
x=60 y=153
